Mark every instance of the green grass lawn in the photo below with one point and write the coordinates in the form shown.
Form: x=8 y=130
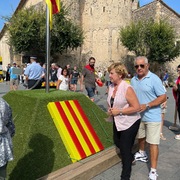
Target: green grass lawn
x=38 y=149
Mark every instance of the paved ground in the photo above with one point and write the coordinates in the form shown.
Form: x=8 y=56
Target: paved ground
x=169 y=155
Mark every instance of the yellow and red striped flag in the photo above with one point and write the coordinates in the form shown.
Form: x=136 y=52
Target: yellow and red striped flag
x=54 y=8
x=75 y=130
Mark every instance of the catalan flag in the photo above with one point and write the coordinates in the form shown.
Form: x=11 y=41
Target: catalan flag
x=75 y=130
x=54 y=8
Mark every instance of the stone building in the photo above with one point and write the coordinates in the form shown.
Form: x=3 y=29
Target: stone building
x=101 y=21
x=159 y=10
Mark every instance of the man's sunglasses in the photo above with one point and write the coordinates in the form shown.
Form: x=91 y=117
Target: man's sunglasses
x=141 y=65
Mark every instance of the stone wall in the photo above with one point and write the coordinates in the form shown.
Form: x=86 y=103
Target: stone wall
x=32 y=2
x=5 y=52
x=172 y=18
x=145 y=12
x=101 y=21
x=73 y=8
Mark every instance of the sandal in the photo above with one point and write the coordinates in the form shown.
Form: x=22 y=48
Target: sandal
x=173 y=128
x=162 y=137
x=177 y=137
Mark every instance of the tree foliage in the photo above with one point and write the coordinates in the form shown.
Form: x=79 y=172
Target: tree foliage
x=27 y=31
x=65 y=34
x=155 y=40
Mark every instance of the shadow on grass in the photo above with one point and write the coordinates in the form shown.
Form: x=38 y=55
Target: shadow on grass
x=37 y=162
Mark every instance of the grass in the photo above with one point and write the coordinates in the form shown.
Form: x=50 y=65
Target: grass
x=38 y=149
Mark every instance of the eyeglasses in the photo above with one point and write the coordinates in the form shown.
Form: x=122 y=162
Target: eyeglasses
x=178 y=70
x=141 y=65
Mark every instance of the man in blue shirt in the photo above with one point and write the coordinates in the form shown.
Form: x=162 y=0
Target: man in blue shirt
x=150 y=92
x=14 y=81
x=34 y=73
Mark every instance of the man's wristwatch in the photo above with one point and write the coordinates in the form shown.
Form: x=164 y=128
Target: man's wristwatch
x=147 y=106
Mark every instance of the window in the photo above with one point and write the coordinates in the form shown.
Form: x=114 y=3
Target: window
x=104 y=9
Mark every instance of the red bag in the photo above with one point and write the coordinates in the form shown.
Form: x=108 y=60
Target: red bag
x=99 y=82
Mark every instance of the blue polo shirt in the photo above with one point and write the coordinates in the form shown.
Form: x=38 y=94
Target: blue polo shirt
x=33 y=71
x=148 y=89
x=12 y=76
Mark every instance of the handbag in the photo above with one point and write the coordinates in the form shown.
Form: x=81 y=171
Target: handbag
x=99 y=82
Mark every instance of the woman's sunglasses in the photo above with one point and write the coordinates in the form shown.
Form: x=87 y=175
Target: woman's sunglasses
x=141 y=65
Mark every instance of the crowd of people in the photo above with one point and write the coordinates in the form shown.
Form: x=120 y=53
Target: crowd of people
x=137 y=110
x=34 y=74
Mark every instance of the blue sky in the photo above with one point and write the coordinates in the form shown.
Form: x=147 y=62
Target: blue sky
x=7 y=7
x=174 y=4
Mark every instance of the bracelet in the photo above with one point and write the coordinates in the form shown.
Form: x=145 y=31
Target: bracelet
x=120 y=112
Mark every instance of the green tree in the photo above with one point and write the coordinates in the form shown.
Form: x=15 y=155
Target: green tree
x=155 y=40
x=65 y=34
x=27 y=31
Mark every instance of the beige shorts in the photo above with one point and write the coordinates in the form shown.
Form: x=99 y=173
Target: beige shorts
x=151 y=131
x=14 y=82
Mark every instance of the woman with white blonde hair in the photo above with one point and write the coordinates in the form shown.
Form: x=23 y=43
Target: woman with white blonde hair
x=123 y=108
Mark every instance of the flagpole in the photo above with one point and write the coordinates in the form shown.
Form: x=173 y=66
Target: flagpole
x=47 y=48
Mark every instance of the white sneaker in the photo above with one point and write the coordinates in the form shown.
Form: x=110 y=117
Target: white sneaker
x=140 y=157
x=153 y=175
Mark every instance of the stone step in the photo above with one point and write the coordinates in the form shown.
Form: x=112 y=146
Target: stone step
x=87 y=168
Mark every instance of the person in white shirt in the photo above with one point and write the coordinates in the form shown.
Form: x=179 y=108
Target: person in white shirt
x=63 y=80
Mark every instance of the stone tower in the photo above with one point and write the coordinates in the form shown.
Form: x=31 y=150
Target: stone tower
x=101 y=21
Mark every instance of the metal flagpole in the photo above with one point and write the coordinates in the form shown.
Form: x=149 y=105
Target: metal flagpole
x=47 y=48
